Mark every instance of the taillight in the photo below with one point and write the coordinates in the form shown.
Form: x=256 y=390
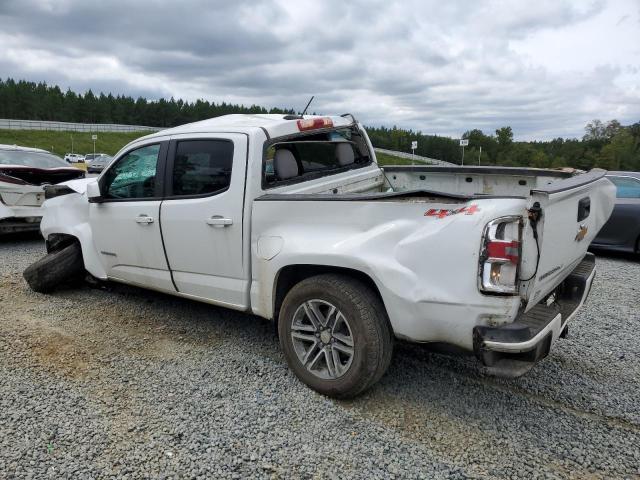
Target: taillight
x=500 y=256
x=314 y=123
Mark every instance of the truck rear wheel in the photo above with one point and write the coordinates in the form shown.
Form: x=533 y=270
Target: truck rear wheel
x=335 y=335
x=56 y=268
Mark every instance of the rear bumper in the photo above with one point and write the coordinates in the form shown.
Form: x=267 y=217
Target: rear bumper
x=19 y=218
x=512 y=349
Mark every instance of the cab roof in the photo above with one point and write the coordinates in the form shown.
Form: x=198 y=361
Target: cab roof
x=276 y=125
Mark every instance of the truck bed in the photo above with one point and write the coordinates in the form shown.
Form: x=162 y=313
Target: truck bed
x=455 y=183
x=471 y=180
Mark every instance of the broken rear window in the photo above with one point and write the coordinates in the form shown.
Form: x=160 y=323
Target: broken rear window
x=305 y=157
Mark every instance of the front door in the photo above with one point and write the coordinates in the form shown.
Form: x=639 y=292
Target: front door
x=202 y=217
x=126 y=223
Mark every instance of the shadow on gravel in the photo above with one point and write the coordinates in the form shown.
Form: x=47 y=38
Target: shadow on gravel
x=630 y=257
x=18 y=237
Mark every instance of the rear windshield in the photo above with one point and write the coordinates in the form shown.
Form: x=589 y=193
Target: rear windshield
x=31 y=159
x=306 y=157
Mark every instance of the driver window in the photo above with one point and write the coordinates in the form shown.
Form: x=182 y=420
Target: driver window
x=134 y=175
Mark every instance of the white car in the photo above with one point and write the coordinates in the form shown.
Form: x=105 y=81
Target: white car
x=74 y=158
x=290 y=218
x=23 y=174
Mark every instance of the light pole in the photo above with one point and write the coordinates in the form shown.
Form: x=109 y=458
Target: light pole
x=479 y=155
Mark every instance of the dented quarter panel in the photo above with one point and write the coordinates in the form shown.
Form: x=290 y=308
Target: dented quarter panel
x=424 y=266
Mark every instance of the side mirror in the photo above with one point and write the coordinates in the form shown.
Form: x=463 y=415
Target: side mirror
x=93 y=192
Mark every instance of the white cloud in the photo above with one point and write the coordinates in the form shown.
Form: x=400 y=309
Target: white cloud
x=545 y=68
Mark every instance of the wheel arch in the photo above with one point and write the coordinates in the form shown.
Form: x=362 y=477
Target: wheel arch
x=58 y=241
x=290 y=275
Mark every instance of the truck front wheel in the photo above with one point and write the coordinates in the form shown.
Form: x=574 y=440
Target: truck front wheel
x=335 y=335
x=56 y=268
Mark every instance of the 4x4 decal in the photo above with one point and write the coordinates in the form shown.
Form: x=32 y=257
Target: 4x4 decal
x=444 y=212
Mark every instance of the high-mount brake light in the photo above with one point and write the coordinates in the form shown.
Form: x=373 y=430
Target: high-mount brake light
x=314 y=123
x=500 y=256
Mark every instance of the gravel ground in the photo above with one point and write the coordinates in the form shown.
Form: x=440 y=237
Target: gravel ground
x=122 y=382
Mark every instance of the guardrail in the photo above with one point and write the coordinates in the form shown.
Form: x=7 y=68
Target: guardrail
x=10 y=124
x=417 y=158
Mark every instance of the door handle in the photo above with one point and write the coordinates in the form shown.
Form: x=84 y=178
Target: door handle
x=144 y=219
x=219 y=221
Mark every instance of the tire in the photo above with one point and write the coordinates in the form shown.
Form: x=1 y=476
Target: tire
x=55 y=269
x=360 y=318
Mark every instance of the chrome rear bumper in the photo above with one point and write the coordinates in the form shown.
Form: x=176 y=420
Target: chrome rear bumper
x=512 y=349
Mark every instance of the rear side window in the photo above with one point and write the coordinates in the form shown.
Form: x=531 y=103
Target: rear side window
x=626 y=187
x=202 y=167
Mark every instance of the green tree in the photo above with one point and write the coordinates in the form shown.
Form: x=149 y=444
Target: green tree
x=622 y=153
x=504 y=136
x=612 y=128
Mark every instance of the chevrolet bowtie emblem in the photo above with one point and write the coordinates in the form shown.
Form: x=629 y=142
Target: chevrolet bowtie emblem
x=582 y=232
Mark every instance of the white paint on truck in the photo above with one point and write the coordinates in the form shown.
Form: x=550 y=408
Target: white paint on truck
x=450 y=251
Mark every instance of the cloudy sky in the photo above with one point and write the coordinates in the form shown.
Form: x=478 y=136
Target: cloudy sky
x=545 y=68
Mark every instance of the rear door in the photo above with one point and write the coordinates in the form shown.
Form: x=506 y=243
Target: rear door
x=573 y=211
x=202 y=217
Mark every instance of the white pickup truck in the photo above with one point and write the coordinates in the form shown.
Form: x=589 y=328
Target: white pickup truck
x=290 y=218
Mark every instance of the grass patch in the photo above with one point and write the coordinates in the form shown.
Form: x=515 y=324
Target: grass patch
x=60 y=142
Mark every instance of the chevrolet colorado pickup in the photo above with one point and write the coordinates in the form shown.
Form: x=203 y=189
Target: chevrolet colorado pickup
x=290 y=218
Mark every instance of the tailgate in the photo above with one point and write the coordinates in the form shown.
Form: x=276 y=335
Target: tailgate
x=573 y=211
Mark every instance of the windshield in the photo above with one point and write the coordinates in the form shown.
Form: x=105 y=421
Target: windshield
x=31 y=159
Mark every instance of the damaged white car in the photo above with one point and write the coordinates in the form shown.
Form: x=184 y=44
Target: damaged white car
x=290 y=218
x=24 y=172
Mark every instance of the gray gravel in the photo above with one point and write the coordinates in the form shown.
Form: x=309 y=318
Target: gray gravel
x=122 y=382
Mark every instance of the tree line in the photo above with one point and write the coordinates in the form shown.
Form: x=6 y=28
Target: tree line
x=38 y=101
x=608 y=145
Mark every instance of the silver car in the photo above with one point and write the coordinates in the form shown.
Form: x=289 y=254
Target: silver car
x=98 y=163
